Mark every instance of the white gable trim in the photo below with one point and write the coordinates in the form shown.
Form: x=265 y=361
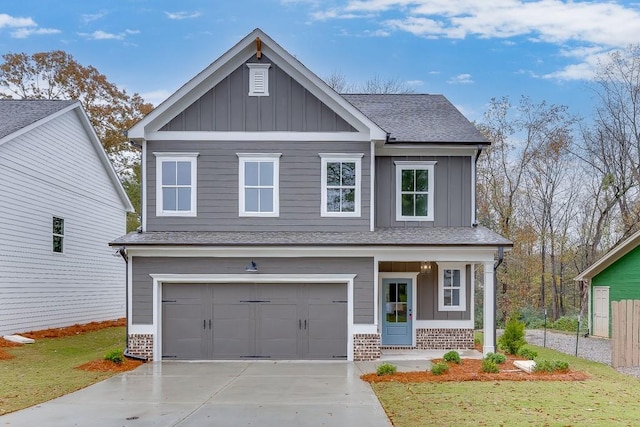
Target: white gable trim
x=235 y=57
x=256 y=136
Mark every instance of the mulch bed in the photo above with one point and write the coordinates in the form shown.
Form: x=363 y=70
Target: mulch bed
x=96 y=365
x=471 y=370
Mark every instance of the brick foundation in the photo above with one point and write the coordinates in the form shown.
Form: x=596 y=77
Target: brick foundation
x=366 y=347
x=444 y=339
x=141 y=345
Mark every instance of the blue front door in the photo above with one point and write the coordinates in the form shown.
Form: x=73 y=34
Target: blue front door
x=396 y=312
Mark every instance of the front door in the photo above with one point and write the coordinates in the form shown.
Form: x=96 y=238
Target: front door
x=397 y=314
x=601 y=311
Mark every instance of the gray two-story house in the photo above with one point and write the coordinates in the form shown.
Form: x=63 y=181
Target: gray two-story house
x=283 y=220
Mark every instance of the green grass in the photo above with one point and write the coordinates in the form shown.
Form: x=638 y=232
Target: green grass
x=607 y=398
x=46 y=369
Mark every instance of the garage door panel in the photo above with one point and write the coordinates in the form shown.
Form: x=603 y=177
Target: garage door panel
x=233 y=330
x=277 y=330
x=182 y=322
x=327 y=332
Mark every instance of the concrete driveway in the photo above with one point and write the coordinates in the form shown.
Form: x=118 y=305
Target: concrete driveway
x=259 y=393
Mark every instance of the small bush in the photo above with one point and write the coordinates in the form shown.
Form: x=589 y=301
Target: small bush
x=513 y=337
x=535 y=324
x=115 y=356
x=496 y=358
x=550 y=365
x=439 y=368
x=452 y=356
x=566 y=323
x=490 y=366
x=527 y=353
x=386 y=369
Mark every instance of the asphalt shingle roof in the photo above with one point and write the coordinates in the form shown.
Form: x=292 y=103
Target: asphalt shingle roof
x=18 y=113
x=435 y=236
x=417 y=118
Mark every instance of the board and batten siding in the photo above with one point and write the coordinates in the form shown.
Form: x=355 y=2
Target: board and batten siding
x=53 y=170
x=427 y=303
x=142 y=283
x=218 y=187
x=452 y=198
x=228 y=107
x=623 y=279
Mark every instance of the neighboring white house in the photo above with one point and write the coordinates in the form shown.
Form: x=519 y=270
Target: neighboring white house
x=60 y=204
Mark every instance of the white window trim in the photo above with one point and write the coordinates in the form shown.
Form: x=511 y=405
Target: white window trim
x=254 y=70
x=259 y=157
x=341 y=157
x=53 y=234
x=177 y=157
x=424 y=164
x=463 y=285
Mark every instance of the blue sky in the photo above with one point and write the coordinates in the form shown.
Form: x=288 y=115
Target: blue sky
x=468 y=50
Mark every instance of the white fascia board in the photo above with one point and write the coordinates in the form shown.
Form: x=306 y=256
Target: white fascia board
x=407 y=254
x=419 y=149
x=610 y=257
x=257 y=136
x=232 y=59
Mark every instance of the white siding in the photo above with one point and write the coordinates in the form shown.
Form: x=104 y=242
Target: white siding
x=53 y=170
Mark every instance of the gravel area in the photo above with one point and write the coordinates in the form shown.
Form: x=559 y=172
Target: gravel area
x=590 y=348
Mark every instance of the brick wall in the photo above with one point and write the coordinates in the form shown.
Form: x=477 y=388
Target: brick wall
x=366 y=347
x=141 y=345
x=444 y=339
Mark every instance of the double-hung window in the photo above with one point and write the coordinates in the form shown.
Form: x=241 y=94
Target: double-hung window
x=58 y=235
x=176 y=184
x=414 y=190
x=451 y=287
x=259 y=176
x=341 y=181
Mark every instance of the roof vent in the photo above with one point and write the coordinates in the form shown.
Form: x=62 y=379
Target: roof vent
x=258 y=79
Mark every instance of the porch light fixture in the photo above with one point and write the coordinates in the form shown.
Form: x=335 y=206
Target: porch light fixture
x=252 y=267
x=425 y=267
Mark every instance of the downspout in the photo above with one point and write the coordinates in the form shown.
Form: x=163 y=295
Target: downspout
x=123 y=253
x=495 y=287
x=475 y=182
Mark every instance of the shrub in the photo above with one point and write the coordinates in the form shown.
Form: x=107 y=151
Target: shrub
x=489 y=366
x=386 y=369
x=550 y=366
x=566 y=323
x=513 y=337
x=452 y=356
x=439 y=368
x=115 y=356
x=496 y=358
x=535 y=324
x=527 y=353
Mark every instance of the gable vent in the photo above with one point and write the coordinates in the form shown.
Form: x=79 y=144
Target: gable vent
x=258 y=79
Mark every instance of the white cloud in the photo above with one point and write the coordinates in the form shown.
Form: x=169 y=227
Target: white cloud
x=103 y=35
x=414 y=83
x=23 y=33
x=15 y=22
x=460 y=79
x=156 y=96
x=182 y=15
x=90 y=17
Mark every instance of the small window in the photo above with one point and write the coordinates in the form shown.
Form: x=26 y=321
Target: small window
x=414 y=191
x=176 y=184
x=258 y=79
x=259 y=184
x=58 y=235
x=341 y=180
x=451 y=287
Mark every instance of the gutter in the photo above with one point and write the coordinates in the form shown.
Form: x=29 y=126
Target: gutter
x=122 y=251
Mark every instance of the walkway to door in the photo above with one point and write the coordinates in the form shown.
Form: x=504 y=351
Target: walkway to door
x=260 y=393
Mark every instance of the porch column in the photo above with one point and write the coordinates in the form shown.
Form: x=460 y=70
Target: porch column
x=489 y=310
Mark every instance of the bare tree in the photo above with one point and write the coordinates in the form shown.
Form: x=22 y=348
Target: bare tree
x=375 y=85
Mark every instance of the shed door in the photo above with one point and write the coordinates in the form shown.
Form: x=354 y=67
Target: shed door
x=601 y=311
x=249 y=320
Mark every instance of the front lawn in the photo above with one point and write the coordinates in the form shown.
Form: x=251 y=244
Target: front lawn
x=47 y=369
x=607 y=398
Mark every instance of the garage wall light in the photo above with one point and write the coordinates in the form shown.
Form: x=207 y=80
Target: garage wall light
x=425 y=267
x=251 y=268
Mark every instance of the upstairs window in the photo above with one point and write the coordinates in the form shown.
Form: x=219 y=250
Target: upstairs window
x=451 y=287
x=414 y=190
x=259 y=187
x=341 y=182
x=176 y=184
x=258 y=79
x=58 y=234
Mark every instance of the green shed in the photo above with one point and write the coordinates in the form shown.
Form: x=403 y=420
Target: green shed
x=614 y=277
